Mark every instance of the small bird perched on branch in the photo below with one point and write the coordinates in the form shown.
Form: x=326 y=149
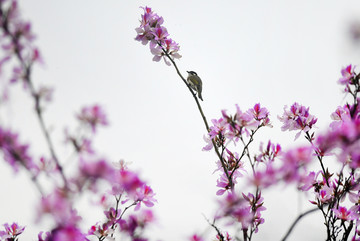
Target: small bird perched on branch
x=195 y=82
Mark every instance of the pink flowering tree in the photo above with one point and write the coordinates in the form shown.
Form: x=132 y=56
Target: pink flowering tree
x=117 y=189
x=334 y=193
x=244 y=170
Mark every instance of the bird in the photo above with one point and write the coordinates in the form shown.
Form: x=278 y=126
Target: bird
x=195 y=82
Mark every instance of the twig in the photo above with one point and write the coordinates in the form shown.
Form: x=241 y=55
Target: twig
x=27 y=79
x=202 y=115
x=296 y=221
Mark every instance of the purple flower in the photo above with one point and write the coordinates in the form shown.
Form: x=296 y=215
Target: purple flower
x=16 y=153
x=297 y=118
x=151 y=30
x=93 y=116
x=11 y=231
x=347 y=75
x=145 y=195
x=67 y=233
x=344 y=214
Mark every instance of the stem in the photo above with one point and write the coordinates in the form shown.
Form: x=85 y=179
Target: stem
x=296 y=221
x=202 y=115
x=27 y=79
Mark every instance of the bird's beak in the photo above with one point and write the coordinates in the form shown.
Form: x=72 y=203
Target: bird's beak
x=188 y=72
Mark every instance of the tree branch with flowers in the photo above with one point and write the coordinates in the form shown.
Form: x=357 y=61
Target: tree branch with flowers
x=243 y=174
x=272 y=165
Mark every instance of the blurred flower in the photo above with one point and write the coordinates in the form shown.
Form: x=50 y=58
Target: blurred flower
x=16 y=153
x=93 y=116
x=67 y=233
x=195 y=237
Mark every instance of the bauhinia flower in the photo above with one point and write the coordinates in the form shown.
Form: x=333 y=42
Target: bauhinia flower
x=93 y=116
x=151 y=30
x=297 y=118
x=347 y=75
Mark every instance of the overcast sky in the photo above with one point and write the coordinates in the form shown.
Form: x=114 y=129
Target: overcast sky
x=246 y=52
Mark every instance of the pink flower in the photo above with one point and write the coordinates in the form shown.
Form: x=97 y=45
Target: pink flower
x=151 y=30
x=135 y=224
x=294 y=163
x=96 y=169
x=67 y=233
x=326 y=194
x=347 y=75
x=270 y=153
x=15 y=153
x=103 y=230
x=93 y=116
x=344 y=214
x=126 y=181
x=195 y=237
x=145 y=195
x=260 y=114
x=46 y=238
x=59 y=206
x=297 y=118
x=11 y=231
x=209 y=144
x=265 y=178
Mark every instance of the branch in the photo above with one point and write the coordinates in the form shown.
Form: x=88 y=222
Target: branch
x=296 y=221
x=27 y=68
x=202 y=115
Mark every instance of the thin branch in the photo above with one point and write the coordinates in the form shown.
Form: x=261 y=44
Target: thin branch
x=202 y=115
x=27 y=68
x=296 y=221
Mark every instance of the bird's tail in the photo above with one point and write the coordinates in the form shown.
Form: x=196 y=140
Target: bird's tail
x=200 y=97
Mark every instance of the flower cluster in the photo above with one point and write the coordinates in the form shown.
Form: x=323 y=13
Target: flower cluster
x=349 y=78
x=16 y=41
x=11 y=231
x=15 y=153
x=151 y=30
x=297 y=118
x=93 y=116
x=244 y=209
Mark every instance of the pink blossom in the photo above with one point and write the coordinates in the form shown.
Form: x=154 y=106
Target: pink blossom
x=237 y=208
x=347 y=75
x=344 y=214
x=195 y=237
x=260 y=114
x=103 y=230
x=126 y=181
x=67 y=233
x=326 y=194
x=151 y=30
x=93 y=170
x=265 y=178
x=145 y=195
x=15 y=153
x=42 y=238
x=223 y=184
x=11 y=231
x=297 y=118
x=93 y=116
x=294 y=163
x=209 y=144
x=59 y=206
x=134 y=224
x=269 y=153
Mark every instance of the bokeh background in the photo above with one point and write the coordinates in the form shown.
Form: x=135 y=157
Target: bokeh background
x=246 y=52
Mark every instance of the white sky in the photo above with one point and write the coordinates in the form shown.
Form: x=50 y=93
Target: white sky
x=272 y=52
